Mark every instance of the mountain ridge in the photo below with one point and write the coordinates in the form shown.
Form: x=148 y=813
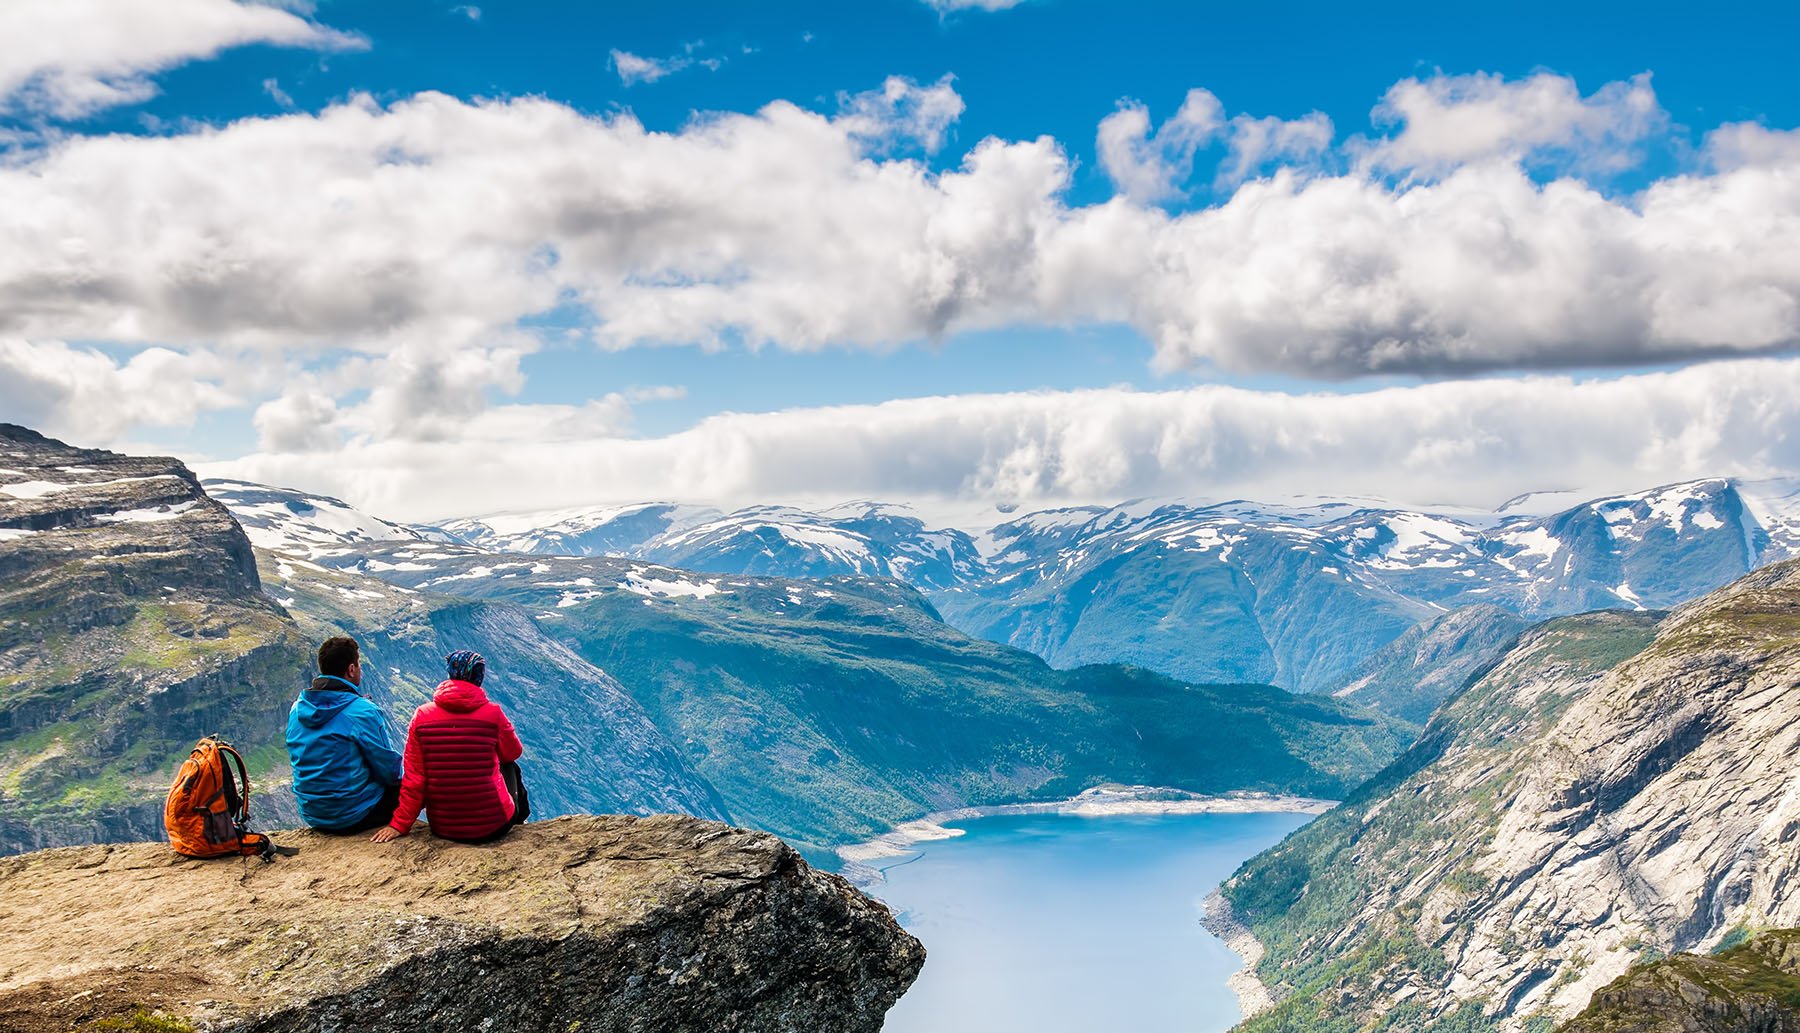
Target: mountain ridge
x=1299 y=594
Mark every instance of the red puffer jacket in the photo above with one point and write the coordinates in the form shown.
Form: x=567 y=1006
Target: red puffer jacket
x=452 y=769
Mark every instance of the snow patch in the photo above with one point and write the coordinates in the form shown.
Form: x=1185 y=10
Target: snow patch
x=148 y=516
x=669 y=589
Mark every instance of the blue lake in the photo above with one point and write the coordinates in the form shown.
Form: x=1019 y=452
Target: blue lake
x=1060 y=924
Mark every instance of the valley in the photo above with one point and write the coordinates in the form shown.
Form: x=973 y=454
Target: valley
x=1531 y=805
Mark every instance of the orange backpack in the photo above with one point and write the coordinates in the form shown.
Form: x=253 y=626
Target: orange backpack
x=208 y=810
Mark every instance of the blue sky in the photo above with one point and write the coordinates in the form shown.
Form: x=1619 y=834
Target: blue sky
x=1552 y=92
x=1046 y=67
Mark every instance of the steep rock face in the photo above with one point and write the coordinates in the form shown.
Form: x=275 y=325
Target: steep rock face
x=131 y=624
x=146 y=518
x=1597 y=797
x=1752 y=988
x=1430 y=662
x=609 y=924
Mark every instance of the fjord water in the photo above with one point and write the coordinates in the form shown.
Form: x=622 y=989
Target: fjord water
x=1063 y=924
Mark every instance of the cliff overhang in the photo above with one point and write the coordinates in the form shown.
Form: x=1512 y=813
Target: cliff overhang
x=606 y=923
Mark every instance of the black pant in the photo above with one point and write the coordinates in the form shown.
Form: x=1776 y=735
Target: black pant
x=515 y=784
x=379 y=815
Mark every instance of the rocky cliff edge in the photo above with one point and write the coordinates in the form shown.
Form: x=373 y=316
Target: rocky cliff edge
x=587 y=923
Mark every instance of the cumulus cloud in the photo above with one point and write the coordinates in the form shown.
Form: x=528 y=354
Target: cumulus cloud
x=1256 y=142
x=1747 y=145
x=302 y=419
x=1452 y=120
x=901 y=112
x=88 y=395
x=1468 y=442
x=69 y=58
x=1150 y=167
x=417 y=236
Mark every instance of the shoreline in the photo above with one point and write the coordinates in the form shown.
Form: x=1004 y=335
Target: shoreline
x=857 y=860
x=1219 y=919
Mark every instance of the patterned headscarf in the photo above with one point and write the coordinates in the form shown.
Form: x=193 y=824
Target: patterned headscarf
x=466 y=665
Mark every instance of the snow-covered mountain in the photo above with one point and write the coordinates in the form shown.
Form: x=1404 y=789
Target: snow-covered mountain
x=301 y=524
x=1297 y=593
x=588 y=531
x=857 y=538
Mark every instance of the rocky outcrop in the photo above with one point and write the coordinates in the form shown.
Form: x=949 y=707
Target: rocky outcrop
x=132 y=622
x=1615 y=788
x=588 y=923
x=1753 y=988
x=143 y=522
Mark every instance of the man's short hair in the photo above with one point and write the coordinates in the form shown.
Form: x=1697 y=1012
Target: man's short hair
x=336 y=655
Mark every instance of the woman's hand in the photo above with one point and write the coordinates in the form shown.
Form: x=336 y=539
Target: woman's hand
x=387 y=834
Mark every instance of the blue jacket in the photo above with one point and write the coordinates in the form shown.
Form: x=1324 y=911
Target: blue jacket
x=340 y=754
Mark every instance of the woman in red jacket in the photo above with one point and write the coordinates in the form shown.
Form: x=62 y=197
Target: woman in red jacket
x=460 y=762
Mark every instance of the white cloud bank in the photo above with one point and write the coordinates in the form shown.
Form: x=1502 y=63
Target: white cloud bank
x=69 y=58
x=288 y=263
x=1471 y=442
x=433 y=223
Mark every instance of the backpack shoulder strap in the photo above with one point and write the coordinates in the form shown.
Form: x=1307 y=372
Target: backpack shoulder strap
x=237 y=800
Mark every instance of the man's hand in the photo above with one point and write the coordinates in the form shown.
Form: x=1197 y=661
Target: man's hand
x=387 y=834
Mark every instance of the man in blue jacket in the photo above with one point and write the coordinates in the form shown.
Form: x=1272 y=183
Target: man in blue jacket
x=346 y=771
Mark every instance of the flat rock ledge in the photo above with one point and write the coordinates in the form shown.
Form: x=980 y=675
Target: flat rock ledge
x=577 y=925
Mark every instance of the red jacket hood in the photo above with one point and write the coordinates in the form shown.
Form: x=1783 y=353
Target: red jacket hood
x=459 y=696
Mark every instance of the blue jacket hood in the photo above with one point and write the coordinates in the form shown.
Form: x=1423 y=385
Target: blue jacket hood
x=324 y=700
